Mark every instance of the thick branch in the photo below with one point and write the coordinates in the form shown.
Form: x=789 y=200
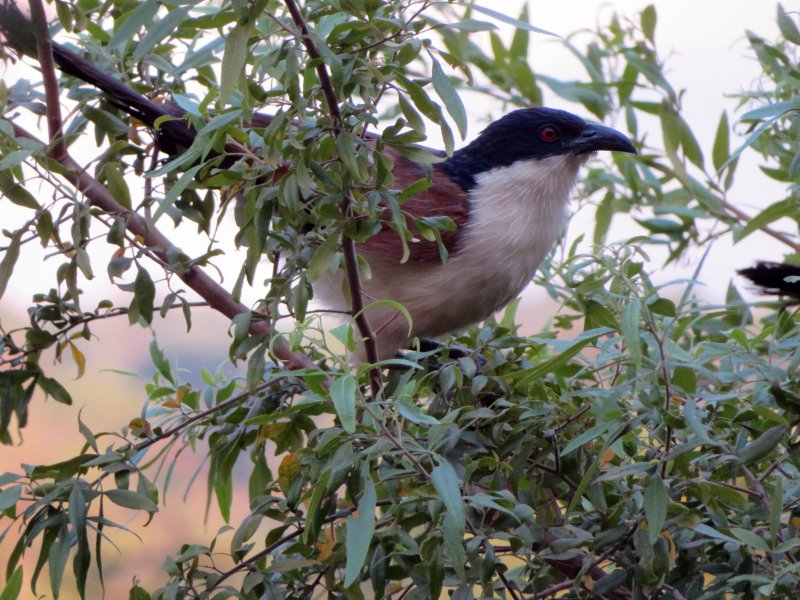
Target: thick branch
x=44 y=54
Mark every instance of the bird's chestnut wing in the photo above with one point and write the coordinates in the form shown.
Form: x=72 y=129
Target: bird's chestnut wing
x=443 y=198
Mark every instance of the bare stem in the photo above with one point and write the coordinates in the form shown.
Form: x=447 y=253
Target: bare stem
x=348 y=246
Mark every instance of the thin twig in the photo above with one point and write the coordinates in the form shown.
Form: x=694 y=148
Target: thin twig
x=348 y=246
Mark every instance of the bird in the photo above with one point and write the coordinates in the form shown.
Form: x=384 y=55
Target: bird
x=507 y=193
x=771 y=278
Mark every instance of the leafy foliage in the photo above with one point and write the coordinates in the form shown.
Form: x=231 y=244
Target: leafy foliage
x=643 y=446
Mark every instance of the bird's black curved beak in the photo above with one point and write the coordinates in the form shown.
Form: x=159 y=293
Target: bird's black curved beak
x=600 y=137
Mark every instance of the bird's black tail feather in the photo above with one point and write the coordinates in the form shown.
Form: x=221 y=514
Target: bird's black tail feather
x=770 y=277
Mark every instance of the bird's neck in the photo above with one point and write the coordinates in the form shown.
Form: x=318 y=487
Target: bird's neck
x=464 y=166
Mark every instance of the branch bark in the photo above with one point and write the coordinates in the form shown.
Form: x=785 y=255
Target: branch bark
x=348 y=246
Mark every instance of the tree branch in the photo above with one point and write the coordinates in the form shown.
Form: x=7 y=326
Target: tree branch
x=194 y=277
x=44 y=54
x=348 y=246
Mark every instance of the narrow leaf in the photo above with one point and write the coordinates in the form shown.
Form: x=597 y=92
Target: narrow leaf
x=452 y=101
x=630 y=330
x=234 y=59
x=360 y=529
x=9 y=260
x=763 y=444
x=343 y=394
x=131 y=499
x=448 y=488
x=655 y=507
x=145 y=292
x=721 y=151
x=13 y=586
x=510 y=20
x=83 y=556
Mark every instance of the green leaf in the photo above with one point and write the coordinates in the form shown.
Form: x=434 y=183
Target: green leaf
x=131 y=499
x=753 y=137
x=360 y=529
x=689 y=143
x=116 y=184
x=655 y=507
x=518 y=50
x=161 y=31
x=57 y=557
x=323 y=259
x=10 y=496
x=13 y=585
x=413 y=413
x=507 y=19
x=347 y=153
x=721 y=151
x=552 y=364
x=775 y=211
x=750 y=538
x=144 y=292
x=762 y=445
x=788 y=27
x=648 y=19
x=630 y=330
x=410 y=113
x=449 y=96
x=17 y=193
x=448 y=487
x=343 y=394
x=160 y=362
x=83 y=556
x=392 y=305
x=54 y=389
x=234 y=59
x=184 y=181
x=453 y=531
x=131 y=22
x=9 y=261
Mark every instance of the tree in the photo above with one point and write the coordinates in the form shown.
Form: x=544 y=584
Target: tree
x=642 y=447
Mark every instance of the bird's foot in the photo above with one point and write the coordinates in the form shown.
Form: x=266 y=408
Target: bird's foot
x=437 y=354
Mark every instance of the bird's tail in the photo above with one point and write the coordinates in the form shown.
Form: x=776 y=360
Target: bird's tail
x=771 y=277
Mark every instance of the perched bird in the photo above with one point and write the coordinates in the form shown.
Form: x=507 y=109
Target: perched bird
x=507 y=192
x=771 y=278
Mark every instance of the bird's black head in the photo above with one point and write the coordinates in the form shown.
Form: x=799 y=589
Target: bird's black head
x=531 y=133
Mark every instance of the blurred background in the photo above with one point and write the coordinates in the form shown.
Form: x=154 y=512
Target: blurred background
x=708 y=57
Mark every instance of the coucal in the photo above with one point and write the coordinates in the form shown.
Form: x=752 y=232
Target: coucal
x=507 y=192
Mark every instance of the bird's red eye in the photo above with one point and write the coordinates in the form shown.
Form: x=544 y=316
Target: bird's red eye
x=548 y=134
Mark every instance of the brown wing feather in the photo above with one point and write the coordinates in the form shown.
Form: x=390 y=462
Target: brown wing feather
x=443 y=198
